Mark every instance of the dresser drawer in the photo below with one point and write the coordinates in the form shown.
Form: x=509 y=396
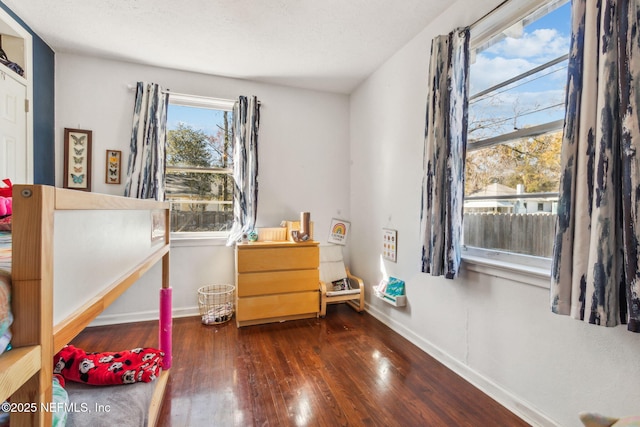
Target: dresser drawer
x=253 y=259
x=272 y=306
x=275 y=282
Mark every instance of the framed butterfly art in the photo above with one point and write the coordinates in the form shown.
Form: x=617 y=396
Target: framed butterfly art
x=112 y=173
x=77 y=159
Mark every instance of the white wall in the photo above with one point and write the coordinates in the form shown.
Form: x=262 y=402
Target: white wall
x=303 y=155
x=497 y=332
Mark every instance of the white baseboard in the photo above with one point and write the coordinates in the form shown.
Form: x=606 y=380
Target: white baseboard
x=510 y=401
x=141 y=316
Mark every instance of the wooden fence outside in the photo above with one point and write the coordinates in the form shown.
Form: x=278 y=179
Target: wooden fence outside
x=530 y=234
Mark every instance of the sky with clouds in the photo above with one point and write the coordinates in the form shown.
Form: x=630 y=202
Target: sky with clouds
x=539 y=42
x=203 y=119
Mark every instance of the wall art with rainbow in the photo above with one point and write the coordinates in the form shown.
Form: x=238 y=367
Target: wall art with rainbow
x=339 y=231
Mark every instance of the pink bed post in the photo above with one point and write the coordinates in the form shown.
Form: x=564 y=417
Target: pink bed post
x=165 y=325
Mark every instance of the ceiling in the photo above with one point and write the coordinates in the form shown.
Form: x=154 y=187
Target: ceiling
x=329 y=45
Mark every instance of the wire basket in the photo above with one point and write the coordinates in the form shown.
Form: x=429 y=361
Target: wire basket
x=216 y=303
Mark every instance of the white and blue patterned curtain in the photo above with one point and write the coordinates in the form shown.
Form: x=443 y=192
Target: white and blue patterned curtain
x=146 y=167
x=444 y=154
x=246 y=121
x=596 y=262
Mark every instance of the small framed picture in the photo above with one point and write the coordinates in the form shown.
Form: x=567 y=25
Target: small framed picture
x=77 y=159
x=339 y=231
x=112 y=174
x=390 y=244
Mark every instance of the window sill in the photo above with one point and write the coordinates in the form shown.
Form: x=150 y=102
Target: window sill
x=533 y=271
x=182 y=240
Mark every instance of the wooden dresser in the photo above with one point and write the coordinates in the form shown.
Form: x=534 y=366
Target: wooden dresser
x=276 y=281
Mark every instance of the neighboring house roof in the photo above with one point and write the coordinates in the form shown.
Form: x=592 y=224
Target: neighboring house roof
x=494 y=189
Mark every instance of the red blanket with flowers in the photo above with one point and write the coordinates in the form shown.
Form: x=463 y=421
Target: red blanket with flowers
x=108 y=368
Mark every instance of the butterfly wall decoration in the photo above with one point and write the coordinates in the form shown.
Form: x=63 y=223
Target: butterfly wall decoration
x=112 y=167
x=78 y=140
x=77 y=179
x=77 y=159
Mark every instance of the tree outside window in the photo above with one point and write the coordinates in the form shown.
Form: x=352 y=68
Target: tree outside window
x=199 y=163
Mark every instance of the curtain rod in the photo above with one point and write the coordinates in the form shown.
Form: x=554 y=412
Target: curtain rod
x=485 y=16
x=168 y=91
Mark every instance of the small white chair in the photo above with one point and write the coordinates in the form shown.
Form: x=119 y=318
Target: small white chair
x=349 y=289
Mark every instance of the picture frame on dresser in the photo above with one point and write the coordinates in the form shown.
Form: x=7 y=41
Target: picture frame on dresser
x=77 y=159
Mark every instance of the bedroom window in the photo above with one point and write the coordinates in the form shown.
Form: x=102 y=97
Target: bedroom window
x=199 y=181
x=517 y=83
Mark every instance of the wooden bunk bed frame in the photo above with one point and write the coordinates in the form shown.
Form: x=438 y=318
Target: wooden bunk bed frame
x=26 y=370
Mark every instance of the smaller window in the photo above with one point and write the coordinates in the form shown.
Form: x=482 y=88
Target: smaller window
x=199 y=181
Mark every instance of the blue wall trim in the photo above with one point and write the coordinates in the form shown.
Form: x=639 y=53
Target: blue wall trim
x=43 y=107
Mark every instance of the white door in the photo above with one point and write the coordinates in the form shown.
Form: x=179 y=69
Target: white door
x=13 y=130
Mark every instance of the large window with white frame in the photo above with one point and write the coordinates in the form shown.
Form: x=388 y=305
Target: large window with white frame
x=517 y=82
x=199 y=165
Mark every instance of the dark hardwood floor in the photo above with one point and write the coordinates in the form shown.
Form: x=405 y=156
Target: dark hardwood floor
x=347 y=369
